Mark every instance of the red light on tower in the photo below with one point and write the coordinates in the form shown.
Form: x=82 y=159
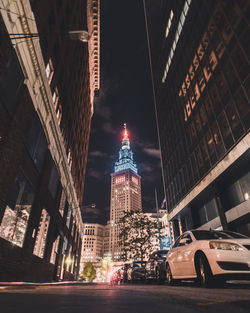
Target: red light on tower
x=125 y=134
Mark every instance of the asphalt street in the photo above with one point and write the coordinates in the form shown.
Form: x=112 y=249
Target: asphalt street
x=124 y=298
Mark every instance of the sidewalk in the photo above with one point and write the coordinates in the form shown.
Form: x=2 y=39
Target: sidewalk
x=33 y=285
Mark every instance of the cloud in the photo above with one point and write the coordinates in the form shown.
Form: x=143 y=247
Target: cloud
x=97 y=153
x=152 y=152
x=107 y=128
x=103 y=111
x=149 y=149
x=91 y=210
x=146 y=167
x=94 y=173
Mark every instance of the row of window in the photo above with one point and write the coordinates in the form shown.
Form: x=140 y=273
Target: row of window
x=16 y=218
x=217 y=114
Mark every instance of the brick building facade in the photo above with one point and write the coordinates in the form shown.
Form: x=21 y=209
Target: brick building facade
x=45 y=114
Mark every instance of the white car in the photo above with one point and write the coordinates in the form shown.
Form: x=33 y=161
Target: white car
x=209 y=256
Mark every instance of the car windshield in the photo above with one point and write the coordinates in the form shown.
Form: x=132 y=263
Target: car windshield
x=139 y=264
x=213 y=234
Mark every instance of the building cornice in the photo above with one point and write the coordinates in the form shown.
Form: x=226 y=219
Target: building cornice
x=93 y=20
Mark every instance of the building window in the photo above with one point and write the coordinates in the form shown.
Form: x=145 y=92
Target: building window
x=234 y=120
x=243 y=107
x=211 y=147
x=49 y=70
x=65 y=246
x=62 y=203
x=17 y=212
x=59 y=113
x=37 y=143
x=42 y=233
x=69 y=158
x=236 y=193
x=217 y=139
x=68 y=217
x=225 y=130
x=53 y=181
x=207 y=212
x=55 y=98
x=169 y=23
x=11 y=80
x=54 y=250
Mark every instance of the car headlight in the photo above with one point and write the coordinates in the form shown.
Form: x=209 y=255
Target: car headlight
x=225 y=246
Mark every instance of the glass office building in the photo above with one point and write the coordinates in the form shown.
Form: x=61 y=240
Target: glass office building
x=199 y=53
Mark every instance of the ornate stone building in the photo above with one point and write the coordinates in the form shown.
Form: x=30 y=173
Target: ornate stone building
x=46 y=105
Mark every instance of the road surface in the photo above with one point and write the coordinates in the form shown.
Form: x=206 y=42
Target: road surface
x=102 y=298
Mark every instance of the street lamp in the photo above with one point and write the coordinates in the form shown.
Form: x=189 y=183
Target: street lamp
x=68 y=261
x=81 y=35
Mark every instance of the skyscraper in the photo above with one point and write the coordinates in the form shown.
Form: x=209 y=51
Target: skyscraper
x=199 y=53
x=125 y=192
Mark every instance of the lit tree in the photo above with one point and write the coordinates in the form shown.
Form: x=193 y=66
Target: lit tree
x=137 y=232
x=89 y=271
x=105 y=267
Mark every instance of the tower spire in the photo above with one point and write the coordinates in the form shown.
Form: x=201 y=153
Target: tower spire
x=125 y=134
x=125 y=160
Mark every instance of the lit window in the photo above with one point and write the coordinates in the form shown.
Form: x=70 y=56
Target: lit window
x=182 y=19
x=54 y=251
x=55 y=98
x=68 y=217
x=17 y=212
x=59 y=113
x=49 y=71
x=62 y=203
x=41 y=237
x=177 y=35
x=69 y=157
x=169 y=23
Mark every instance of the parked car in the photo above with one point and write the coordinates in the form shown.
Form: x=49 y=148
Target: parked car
x=137 y=271
x=156 y=266
x=125 y=270
x=208 y=256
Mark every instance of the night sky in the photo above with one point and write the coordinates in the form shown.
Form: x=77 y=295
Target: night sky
x=125 y=97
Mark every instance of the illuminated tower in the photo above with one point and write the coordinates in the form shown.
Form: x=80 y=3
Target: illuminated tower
x=125 y=192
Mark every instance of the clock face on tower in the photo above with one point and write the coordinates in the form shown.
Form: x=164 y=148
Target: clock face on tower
x=119 y=179
x=135 y=180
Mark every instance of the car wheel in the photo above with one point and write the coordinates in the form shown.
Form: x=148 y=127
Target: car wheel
x=169 y=277
x=158 y=276
x=204 y=274
x=147 y=280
